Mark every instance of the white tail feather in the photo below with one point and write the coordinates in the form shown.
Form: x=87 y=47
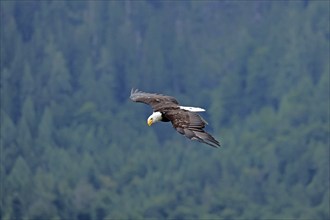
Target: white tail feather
x=192 y=109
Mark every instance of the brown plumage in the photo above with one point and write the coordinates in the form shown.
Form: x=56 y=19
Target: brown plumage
x=187 y=123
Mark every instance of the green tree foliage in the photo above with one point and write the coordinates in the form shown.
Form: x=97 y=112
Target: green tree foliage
x=73 y=146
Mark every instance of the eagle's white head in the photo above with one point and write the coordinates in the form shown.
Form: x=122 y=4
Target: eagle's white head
x=155 y=117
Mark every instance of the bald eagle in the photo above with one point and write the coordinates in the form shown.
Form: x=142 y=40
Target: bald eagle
x=184 y=119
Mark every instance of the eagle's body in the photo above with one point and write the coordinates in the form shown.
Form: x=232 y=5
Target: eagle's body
x=184 y=119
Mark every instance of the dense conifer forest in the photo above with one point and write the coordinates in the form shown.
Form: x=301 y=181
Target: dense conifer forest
x=73 y=146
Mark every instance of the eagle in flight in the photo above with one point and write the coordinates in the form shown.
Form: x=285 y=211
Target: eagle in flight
x=184 y=119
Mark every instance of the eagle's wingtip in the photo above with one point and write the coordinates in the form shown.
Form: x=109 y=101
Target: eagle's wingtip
x=133 y=90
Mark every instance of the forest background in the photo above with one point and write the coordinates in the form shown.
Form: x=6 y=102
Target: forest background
x=73 y=146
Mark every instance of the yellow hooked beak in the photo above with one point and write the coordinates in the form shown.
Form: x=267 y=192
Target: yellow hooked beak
x=150 y=121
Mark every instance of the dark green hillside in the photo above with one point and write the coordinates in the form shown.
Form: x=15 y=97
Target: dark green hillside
x=73 y=146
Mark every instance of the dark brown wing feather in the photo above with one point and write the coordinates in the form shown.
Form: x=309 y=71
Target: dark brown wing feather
x=190 y=125
x=156 y=101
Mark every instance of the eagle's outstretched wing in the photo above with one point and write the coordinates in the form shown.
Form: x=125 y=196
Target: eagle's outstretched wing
x=156 y=101
x=191 y=125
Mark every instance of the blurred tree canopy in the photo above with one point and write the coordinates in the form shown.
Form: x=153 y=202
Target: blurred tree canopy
x=73 y=146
